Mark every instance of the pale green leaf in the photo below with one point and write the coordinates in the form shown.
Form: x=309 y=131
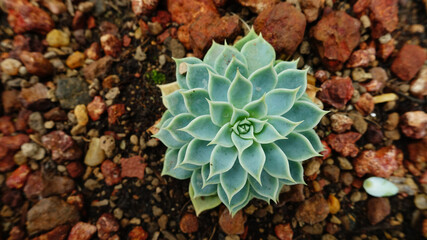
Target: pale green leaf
x=214 y=51
x=268 y=134
x=178 y=122
x=221 y=112
x=280 y=100
x=250 y=36
x=258 y=53
x=205 y=174
x=171 y=159
x=233 y=180
x=223 y=137
x=240 y=143
x=196 y=101
x=257 y=124
x=198 y=75
x=238 y=115
x=268 y=187
x=314 y=139
x=175 y=103
x=263 y=80
x=276 y=163
x=222 y=160
x=181 y=78
x=234 y=67
x=201 y=204
x=307 y=112
x=297 y=147
x=252 y=160
x=202 y=128
x=198 y=152
x=292 y=79
x=282 y=125
x=181 y=157
x=281 y=66
x=198 y=188
x=257 y=108
x=225 y=58
x=218 y=87
x=240 y=91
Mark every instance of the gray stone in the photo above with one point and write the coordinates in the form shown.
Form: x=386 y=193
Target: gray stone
x=72 y=92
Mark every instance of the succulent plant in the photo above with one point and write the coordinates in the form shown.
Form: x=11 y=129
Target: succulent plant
x=240 y=125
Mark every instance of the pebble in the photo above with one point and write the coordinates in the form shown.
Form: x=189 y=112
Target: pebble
x=92 y=184
x=82 y=231
x=108 y=144
x=133 y=167
x=80 y=112
x=111 y=45
x=75 y=60
x=163 y=221
x=10 y=66
x=57 y=38
x=49 y=213
x=107 y=225
x=409 y=61
x=419 y=85
x=112 y=93
x=313 y=210
x=420 y=201
x=96 y=108
x=156 y=211
x=344 y=143
x=336 y=92
x=33 y=150
x=380 y=163
x=72 y=92
x=18 y=177
x=35 y=122
x=312 y=167
x=414 y=124
x=377 y=209
x=331 y=172
x=94 y=155
x=138 y=233
x=62 y=146
x=232 y=225
x=341 y=122
x=284 y=231
x=347 y=178
x=36 y=64
x=334 y=204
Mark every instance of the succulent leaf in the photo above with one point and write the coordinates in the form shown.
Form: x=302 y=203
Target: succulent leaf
x=171 y=159
x=292 y=79
x=195 y=101
x=240 y=126
x=240 y=91
x=263 y=81
x=218 y=87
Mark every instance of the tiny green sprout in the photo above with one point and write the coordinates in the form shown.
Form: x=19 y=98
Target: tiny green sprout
x=379 y=187
x=240 y=126
x=157 y=77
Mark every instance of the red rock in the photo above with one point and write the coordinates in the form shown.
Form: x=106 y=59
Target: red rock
x=7 y=163
x=361 y=58
x=107 y=225
x=79 y=20
x=111 y=45
x=98 y=68
x=114 y=112
x=341 y=123
x=185 y=11
x=126 y=41
x=12 y=198
x=424 y=228
x=24 y=16
x=336 y=92
x=133 y=167
x=62 y=146
x=380 y=163
x=82 y=231
x=189 y=223
x=327 y=152
x=220 y=3
x=96 y=108
x=16 y=233
x=284 y=231
x=383 y=17
x=282 y=26
x=45 y=186
x=258 y=6
x=138 y=233
x=336 y=35
x=143 y=7
x=321 y=75
x=58 y=233
x=414 y=124
x=378 y=82
x=108 y=28
x=232 y=225
x=361 y=5
x=418 y=151
x=20 y=43
x=162 y=17
x=10 y=101
x=6 y=126
x=75 y=169
x=49 y=213
x=94 y=51
x=409 y=61
x=310 y=9
x=76 y=200
x=14 y=142
x=168 y=33
x=386 y=49
x=36 y=64
x=209 y=27
x=313 y=210
x=21 y=121
x=111 y=172
x=55 y=6
x=377 y=209
x=18 y=177
x=55 y=114
x=3 y=151
x=366 y=104
x=35 y=97
x=345 y=143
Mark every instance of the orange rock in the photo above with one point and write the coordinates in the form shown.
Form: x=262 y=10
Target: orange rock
x=258 y=6
x=189 y=223
x=380 y=163
x=284 y=231
x=366 y=104
x=383 y=16
x=334 y=204
x=36 y=64
x=18 y=177
x=409 y=61
x=75 y=60
x=111 y=45
x=185 y=11
x=82 y=231
x=345 y=143
x=232 y=225
x=143 y=7
x=138 y=233
x=23 y=16
x=414 y=124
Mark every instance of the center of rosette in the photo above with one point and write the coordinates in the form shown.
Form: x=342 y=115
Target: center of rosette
x=243 y=128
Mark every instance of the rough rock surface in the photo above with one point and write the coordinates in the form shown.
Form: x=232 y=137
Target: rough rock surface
x=380 y=163
x=409 y=61
x=313 y=210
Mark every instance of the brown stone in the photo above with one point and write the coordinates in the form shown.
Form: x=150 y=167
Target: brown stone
x=185 y=11
x=98 y=68
x=366 y=104
x=6 y=125
x=344 y=143
x=409 y=61
x=62 y=146
x=313 y=210
x=414 y=124
x=284 y=231
x=96 y=108
x=341 y=123
x=35 y=98
x=232 y=225
x=362 y=57
x=383 y=17
x=23 y=16
x=14 y=142
x=18 y=177
x=49 y=213
x=386 y=49
x=39 y=185
x=418 y=151
x=10 y=101
x=111 y=45
x=58 y=233
x=143 y=7
x=55 y=114
x=111 y=172
x=107 y=225
x=133 y=167
x=258 y=6
x=36 y=64
x=282 y=26
x=55 y=6
x=377 y=209
x=114 y=112
x=82 y=231
x=336 y=35
x=138 y=233
x=310 y=9
x=380 y=163
x=336 y=92
x=189 y=223
x=94 y=51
